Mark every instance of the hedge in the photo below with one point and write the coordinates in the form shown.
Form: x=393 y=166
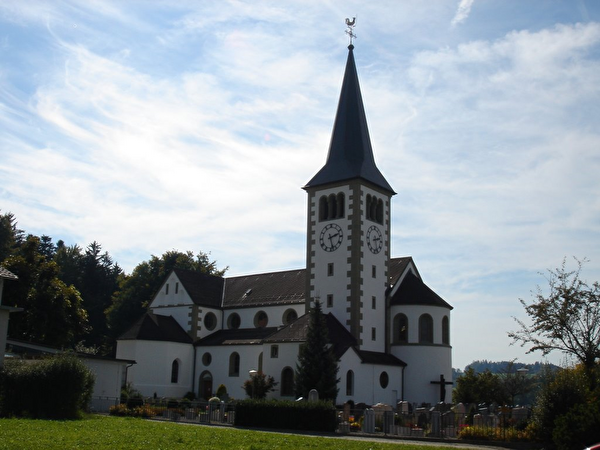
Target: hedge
x=56 y=388
x=286 y=414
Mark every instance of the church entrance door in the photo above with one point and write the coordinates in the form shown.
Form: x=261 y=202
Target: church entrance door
x=206 y=385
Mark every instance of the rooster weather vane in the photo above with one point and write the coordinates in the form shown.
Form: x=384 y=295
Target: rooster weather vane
x=350 y=31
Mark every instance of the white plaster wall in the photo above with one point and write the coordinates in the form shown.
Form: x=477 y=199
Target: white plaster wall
x=425 y=364
x=274 y=313
x=152 y=373
x=367 y=388
x=202 y=330
x=219 y=367
x=413 y=312
x=287 y=357
x=162 y=298
x=109 y=375
x=374 y=287
x=336 y=285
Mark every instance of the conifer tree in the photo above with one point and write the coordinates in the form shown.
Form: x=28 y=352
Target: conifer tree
x=317 y=366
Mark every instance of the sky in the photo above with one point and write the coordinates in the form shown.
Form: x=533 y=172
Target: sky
x=149 y=126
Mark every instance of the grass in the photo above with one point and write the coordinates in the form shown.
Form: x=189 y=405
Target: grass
x=103 y=432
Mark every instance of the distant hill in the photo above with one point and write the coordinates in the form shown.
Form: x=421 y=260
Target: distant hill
x=501 y=367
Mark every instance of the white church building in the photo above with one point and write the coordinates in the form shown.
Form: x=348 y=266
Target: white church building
x=390 y=332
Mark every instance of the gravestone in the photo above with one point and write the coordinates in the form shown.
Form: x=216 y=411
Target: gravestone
x=313 y=396
x=449 y=424
x=436 y=423
x=403 y=407
x=369 y=421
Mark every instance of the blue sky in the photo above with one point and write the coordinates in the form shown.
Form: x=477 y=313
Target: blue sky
x=150 y=126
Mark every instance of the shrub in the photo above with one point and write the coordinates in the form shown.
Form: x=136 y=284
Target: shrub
x=55 y=388
x=221 y=391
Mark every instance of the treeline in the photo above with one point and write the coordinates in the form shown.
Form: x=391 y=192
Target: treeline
x=484 y=365
x=79 y=298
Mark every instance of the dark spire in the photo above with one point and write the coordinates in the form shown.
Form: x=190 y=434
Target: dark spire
x=350 y=153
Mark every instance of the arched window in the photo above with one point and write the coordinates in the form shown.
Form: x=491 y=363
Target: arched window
x=289 y=316
x=341 y=208
x=323 y=208
x=400 y=329
x=233 y=321
x=332 y=207
x=379 y=213
x=425 y=329
x=349 y=383
x=261 y=319
x=445 y=330
x=205 y=383
x=175 y=371
x=373 y=208
x=287 y=382
x=234 y=365
x=210 y=321
x=368 y=206
x=260 y=361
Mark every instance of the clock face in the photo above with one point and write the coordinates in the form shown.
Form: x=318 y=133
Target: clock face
x=331 y=237
x=374 y=239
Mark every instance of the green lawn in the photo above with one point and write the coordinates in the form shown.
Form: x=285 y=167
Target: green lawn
x=103 y=432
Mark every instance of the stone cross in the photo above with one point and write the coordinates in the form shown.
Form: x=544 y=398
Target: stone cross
x=442 y=384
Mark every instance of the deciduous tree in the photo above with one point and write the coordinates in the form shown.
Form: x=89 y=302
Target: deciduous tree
x=566 y=319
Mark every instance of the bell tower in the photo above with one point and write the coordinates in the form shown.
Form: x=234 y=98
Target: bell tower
x=348 y=229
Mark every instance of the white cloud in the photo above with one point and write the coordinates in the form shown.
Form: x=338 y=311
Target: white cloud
x=462 y=12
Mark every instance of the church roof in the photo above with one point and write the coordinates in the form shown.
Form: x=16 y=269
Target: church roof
x=4 y=273
x=237 y=337
x=412 y=291
x=203 y=289
x=385 y=359
x=266 y=289
x=350 y=153
x=154 y=327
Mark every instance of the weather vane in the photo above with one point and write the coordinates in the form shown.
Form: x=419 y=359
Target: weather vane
x=350 y=31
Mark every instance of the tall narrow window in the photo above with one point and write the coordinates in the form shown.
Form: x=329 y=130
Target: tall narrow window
x=260 y=362
x=234 y=365
x=332 y=206
x=379 y=212
x=330 y=300
x=330 y=269
x=374 y=271
x=425 y=329
x=287 y=382
x=373 y=334
x=368 y=207
x=374 y=302
x=400 y=329
x=176 y=288
x=349 y=383
x=323 y=208
x=445 y=330
x=167 y=289
x=341 y=205
x=175 y=372
x=274 y=351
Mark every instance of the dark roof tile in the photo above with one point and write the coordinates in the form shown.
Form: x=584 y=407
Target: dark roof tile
x=154 y=327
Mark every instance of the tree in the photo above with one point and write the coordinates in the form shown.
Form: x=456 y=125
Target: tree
x=317 y=366
x=259 y=385
x=567 y=319
x=10 y=235
x=52 y=311
x=136 y=291
x=483 y=387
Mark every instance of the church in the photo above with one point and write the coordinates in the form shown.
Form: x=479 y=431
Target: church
x=389 y=331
